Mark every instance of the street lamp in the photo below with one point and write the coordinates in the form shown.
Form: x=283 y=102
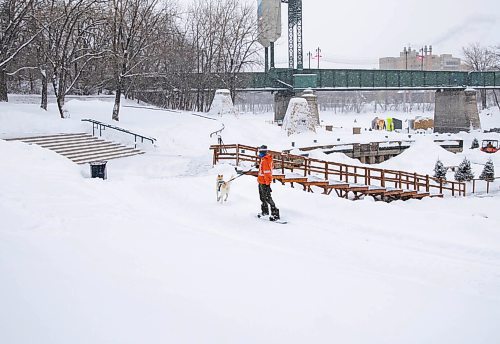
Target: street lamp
x=309 y=54
x=421 y=57
x=318 y=55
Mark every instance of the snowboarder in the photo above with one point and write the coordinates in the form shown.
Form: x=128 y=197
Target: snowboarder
x=264 y=179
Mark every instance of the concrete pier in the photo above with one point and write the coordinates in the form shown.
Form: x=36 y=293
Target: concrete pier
x=456 y=111
x=281 y=101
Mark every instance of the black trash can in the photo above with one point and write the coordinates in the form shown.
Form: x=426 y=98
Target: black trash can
x=98 y=169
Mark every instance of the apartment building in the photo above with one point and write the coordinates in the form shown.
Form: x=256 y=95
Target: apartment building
x=423 y=59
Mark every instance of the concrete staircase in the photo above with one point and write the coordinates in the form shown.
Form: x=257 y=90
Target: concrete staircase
x=81 y=148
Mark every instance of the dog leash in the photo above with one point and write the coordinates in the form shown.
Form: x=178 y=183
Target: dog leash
x=241 y=175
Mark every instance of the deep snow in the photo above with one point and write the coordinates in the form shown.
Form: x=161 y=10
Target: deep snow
x=148 y=256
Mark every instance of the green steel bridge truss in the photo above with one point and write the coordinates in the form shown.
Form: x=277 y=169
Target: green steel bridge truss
x=355 y=79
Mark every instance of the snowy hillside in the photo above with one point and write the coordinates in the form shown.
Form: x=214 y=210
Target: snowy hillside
x=149 y=256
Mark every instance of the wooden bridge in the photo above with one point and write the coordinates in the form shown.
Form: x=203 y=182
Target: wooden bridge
x=347 y=181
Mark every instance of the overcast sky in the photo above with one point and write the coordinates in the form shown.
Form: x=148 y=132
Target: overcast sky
x=354 y=34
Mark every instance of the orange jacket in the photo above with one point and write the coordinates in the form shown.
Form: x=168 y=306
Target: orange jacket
x=266 y=170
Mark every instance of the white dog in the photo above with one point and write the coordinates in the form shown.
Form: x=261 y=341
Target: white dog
x=222 y=188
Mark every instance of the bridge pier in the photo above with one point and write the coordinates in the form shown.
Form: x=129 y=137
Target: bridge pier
x=455 y=111
x=281 y=101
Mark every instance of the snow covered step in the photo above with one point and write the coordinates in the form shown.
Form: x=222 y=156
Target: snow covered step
x=45 y=137
x=66 y=138
x=87 y=147
x=81 y=148
x=86 y=154
x=62 y=143
x=106 y=157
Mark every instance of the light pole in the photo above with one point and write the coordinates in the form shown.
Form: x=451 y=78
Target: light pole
x=309 y=54
x=421 y=56
x=318 y=55
x=406 y=52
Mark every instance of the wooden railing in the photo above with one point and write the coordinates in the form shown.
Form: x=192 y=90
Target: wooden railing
x=342 y=172
x=488 y=183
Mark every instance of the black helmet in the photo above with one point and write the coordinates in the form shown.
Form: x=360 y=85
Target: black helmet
x=263 y=148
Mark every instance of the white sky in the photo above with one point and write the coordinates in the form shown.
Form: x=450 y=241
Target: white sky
x=354 y=34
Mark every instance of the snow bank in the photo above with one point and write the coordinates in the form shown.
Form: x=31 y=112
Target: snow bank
x=421 y=157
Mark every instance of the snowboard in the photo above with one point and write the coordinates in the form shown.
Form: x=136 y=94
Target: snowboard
x=266 y=218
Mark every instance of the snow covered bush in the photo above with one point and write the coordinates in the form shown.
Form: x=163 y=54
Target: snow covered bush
x=298 y=118
x=488 y=171
x=475 y=144
x=464 y=171
x=439 y=170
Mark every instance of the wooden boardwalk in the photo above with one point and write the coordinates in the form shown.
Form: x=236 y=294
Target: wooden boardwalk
x=347 y=181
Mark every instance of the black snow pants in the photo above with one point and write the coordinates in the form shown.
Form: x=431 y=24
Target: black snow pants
x=266 y=199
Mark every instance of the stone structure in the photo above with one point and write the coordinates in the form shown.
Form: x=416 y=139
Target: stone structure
x=456 y=111
x=312 y=100
x=222 y=104
x=298 y=118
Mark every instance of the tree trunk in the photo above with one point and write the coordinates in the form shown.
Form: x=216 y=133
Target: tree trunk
x=60 y=106
x=483 y=99
x=45 y=82
x=3 y=86
x=116 y=107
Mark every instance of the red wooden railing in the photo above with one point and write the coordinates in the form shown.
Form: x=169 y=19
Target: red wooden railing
x=332 y=170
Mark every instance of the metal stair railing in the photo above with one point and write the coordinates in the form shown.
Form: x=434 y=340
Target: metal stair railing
x=96 y=125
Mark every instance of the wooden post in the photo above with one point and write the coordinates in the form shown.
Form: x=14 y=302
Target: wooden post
x=427 y=183
x=237 y=155
x=326 y=170
x=356 y=174
x=282 y=163
x=440 y=185
x=366 y=176
x=487 y=186
x=415 y=182
x=473 y=186
x=382 y=178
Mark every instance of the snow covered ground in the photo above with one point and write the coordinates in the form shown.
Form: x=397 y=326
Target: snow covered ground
x=148 y=256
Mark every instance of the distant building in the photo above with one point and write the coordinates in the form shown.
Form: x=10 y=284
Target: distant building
x=410 y=59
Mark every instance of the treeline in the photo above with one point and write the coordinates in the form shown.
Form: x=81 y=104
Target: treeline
x=139 y=48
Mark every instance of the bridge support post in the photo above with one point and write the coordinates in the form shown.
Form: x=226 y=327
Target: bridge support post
x=455 y=111
x=281 y=101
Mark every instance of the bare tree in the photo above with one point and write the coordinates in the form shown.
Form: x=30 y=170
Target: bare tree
x=13 y=19
x=134 y=28
x=71 y=41
x=480 y=59
x=224 y=37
